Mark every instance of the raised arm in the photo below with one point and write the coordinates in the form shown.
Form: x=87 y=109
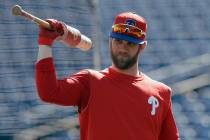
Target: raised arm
x=73 y=90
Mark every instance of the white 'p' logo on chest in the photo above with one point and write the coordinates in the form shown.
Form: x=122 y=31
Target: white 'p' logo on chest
x=154 y=102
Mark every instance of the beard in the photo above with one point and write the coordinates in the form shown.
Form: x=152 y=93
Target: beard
x=124 y=61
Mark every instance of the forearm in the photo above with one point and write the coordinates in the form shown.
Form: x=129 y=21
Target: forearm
x=46 y=81
x=45 y=72
x=49 y=88
x=52 y=90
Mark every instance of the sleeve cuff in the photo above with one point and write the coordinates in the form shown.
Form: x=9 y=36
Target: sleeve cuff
x=44 y=52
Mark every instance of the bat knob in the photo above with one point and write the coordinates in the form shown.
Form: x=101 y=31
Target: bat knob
x=16 y=10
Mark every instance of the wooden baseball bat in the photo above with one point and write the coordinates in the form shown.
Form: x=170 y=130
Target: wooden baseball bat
x=18 y=11
x=73 y=37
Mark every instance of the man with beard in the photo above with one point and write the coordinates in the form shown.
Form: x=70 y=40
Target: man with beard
x=118 y=103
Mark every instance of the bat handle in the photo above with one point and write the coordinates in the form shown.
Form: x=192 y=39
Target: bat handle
x=18 y=11
x=36 y=20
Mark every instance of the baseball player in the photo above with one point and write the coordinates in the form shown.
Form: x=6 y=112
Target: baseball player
x=117 y=103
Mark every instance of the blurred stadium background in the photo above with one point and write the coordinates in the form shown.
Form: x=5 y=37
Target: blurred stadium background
x=178 y=54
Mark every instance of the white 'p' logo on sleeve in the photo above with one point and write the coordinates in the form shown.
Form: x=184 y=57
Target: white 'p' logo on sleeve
x=154 y=102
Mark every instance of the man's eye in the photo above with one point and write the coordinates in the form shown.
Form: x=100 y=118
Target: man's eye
x=118 y=40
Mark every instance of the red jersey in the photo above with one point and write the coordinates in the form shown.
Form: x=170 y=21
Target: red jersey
x=112 y=105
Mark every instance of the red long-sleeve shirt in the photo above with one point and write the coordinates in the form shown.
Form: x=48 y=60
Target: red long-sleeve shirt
x=112 y=105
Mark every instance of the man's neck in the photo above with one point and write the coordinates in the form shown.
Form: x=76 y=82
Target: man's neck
x=132 y=71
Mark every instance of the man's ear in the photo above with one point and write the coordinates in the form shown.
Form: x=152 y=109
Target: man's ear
x=143 y=46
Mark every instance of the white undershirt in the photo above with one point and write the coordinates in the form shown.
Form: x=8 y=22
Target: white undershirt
x=44 y=52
